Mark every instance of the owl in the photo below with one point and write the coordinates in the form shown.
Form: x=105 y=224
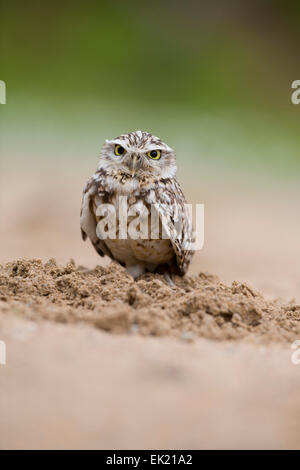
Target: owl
x=140 y=169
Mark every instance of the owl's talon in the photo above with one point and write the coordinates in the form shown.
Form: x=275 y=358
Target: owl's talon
x=169 y=280
x=135 y=270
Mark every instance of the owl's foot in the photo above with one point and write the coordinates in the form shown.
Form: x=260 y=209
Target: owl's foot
x=169 y=280
x=135 y=270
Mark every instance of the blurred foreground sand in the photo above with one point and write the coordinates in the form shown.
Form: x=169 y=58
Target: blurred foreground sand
x=69 y=386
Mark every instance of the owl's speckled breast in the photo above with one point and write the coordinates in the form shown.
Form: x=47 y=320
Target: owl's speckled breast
x=129 y=251
x=151 y=252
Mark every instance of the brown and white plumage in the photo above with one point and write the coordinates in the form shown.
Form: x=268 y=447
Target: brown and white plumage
x=145 y=182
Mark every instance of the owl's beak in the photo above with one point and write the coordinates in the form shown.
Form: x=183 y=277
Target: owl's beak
x=134 y=164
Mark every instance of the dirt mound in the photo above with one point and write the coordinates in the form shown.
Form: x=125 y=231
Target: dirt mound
x=110 y=300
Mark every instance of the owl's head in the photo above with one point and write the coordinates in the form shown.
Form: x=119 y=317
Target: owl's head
x=138 y=154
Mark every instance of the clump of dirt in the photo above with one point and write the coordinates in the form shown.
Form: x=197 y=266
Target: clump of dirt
x=109 y=299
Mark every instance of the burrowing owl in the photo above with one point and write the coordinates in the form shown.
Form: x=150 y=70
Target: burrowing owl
x=142 y=168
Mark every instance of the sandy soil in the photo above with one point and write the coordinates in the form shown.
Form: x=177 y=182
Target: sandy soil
x=95 y=360
x=109 y=299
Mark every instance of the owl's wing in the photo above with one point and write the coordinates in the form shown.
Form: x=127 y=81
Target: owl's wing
x=176 y=221
x=88 y=221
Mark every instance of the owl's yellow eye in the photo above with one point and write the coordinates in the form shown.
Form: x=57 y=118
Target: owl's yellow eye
x=119 y=150
x=154 y=154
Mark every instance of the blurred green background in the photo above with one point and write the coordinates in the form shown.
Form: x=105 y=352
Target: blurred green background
x=213 y=79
